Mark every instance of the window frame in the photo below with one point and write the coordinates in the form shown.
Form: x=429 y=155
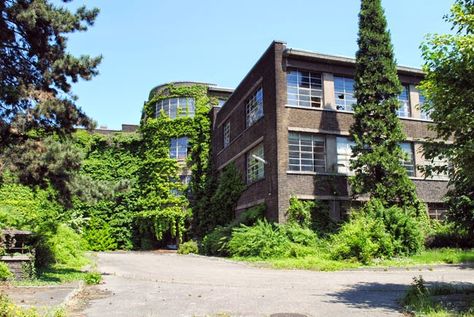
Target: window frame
x=404 y=110
x=174 y=108
x=254 y=107
x=410 y=164
x=345 y=93
x=310 y=92
x=304 y=152
x=174 y=150
x=255 y=169
x=344 y=157
x=226 y=134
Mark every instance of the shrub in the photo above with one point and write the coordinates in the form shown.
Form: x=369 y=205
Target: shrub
x=92 y=278
x=445 y=234
x=375 y=231
x=216 y=241
x=98 y=235
x=299 y=235
x=250 y=216
x=405 y=226
x=67 y=247
x=263 y=240
x=5 y=273
x=299 y=211
x=188 y=247
x=362 y=238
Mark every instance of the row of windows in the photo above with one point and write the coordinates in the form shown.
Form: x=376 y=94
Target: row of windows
x=305 y=89
x=253 y=113
x=308 y=153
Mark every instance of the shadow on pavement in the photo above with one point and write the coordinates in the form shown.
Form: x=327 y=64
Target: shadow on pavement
x=371 y=295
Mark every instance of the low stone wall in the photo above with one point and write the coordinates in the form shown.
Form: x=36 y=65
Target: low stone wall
x=18 y=264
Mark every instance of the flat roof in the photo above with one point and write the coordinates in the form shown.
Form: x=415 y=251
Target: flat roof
x=341 y=59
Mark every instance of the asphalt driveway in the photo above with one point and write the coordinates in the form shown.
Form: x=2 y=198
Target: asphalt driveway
x=153 y=284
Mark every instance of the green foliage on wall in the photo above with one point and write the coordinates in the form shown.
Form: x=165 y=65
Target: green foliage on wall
x=163 y=203
x=112 y=161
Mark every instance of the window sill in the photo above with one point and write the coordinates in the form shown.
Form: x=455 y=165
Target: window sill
x=255 y=181
x=348 y=175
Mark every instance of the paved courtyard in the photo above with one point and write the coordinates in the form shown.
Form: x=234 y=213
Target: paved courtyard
x=153 y=284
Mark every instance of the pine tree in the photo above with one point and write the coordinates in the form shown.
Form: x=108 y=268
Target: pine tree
x=36 y=71
x=377 y=131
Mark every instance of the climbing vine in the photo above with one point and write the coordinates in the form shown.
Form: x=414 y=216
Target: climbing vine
x=164 y=201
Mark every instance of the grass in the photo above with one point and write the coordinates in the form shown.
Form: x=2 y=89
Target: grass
x=9 y=309
x=323 y=263
x=439 y=300
x=63 y=273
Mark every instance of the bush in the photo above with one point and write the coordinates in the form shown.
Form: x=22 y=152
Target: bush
x=5 y=273
x=188 y=247
x=98 y=235
x=405 y=226
x=444 y=234
x=216 y=241
x=298 y=235
x=92 y=278
x=67 y=247
x=263 y=240
x=362 y=238
x=375 y=231
x=299 y=211
x=250 y=216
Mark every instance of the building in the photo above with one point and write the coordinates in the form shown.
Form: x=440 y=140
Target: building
x=286 y=128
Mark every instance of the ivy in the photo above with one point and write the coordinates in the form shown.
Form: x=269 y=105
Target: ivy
x=163 y=206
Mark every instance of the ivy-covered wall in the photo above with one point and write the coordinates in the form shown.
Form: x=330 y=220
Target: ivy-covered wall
x=164 y=202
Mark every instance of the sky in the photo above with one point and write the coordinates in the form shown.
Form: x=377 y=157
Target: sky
x=145 y=43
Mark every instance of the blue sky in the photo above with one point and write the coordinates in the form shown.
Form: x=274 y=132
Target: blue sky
x=149 y=42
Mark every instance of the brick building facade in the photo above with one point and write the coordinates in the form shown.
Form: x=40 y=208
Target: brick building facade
x=286 y=127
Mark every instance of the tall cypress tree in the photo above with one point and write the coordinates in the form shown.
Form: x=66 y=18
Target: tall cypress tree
x=377 y=131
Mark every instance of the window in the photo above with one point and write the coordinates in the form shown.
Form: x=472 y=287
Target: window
x=409 y=162
x=344 y=153
x=425 y=115
x=254 y=107
x=403 y=98
x=226 y=134
x=305 y=89
x=344 y=93
x=307 y=152
x=184 y=181
x=438 y=162
x=176 y=107
x=179 y=148
x=255 y=164
x=221 y=102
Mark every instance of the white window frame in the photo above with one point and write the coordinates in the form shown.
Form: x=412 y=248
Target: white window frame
x=302 y=154
x=226 y=133
x=254 y=107
x=255 y=167
x=425 y=115
x=404 y=111
x=344 y=155
x=347 y=101
x=176 y=107
x=176 y=146
x=408 y=164
x=309 y=95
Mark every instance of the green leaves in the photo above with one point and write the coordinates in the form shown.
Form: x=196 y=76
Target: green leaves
x=449 y=92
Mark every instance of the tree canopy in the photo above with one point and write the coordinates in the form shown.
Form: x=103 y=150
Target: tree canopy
x=449 y=92
x=36 y=71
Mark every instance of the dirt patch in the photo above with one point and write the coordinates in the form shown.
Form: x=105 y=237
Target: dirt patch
x=82 y=300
